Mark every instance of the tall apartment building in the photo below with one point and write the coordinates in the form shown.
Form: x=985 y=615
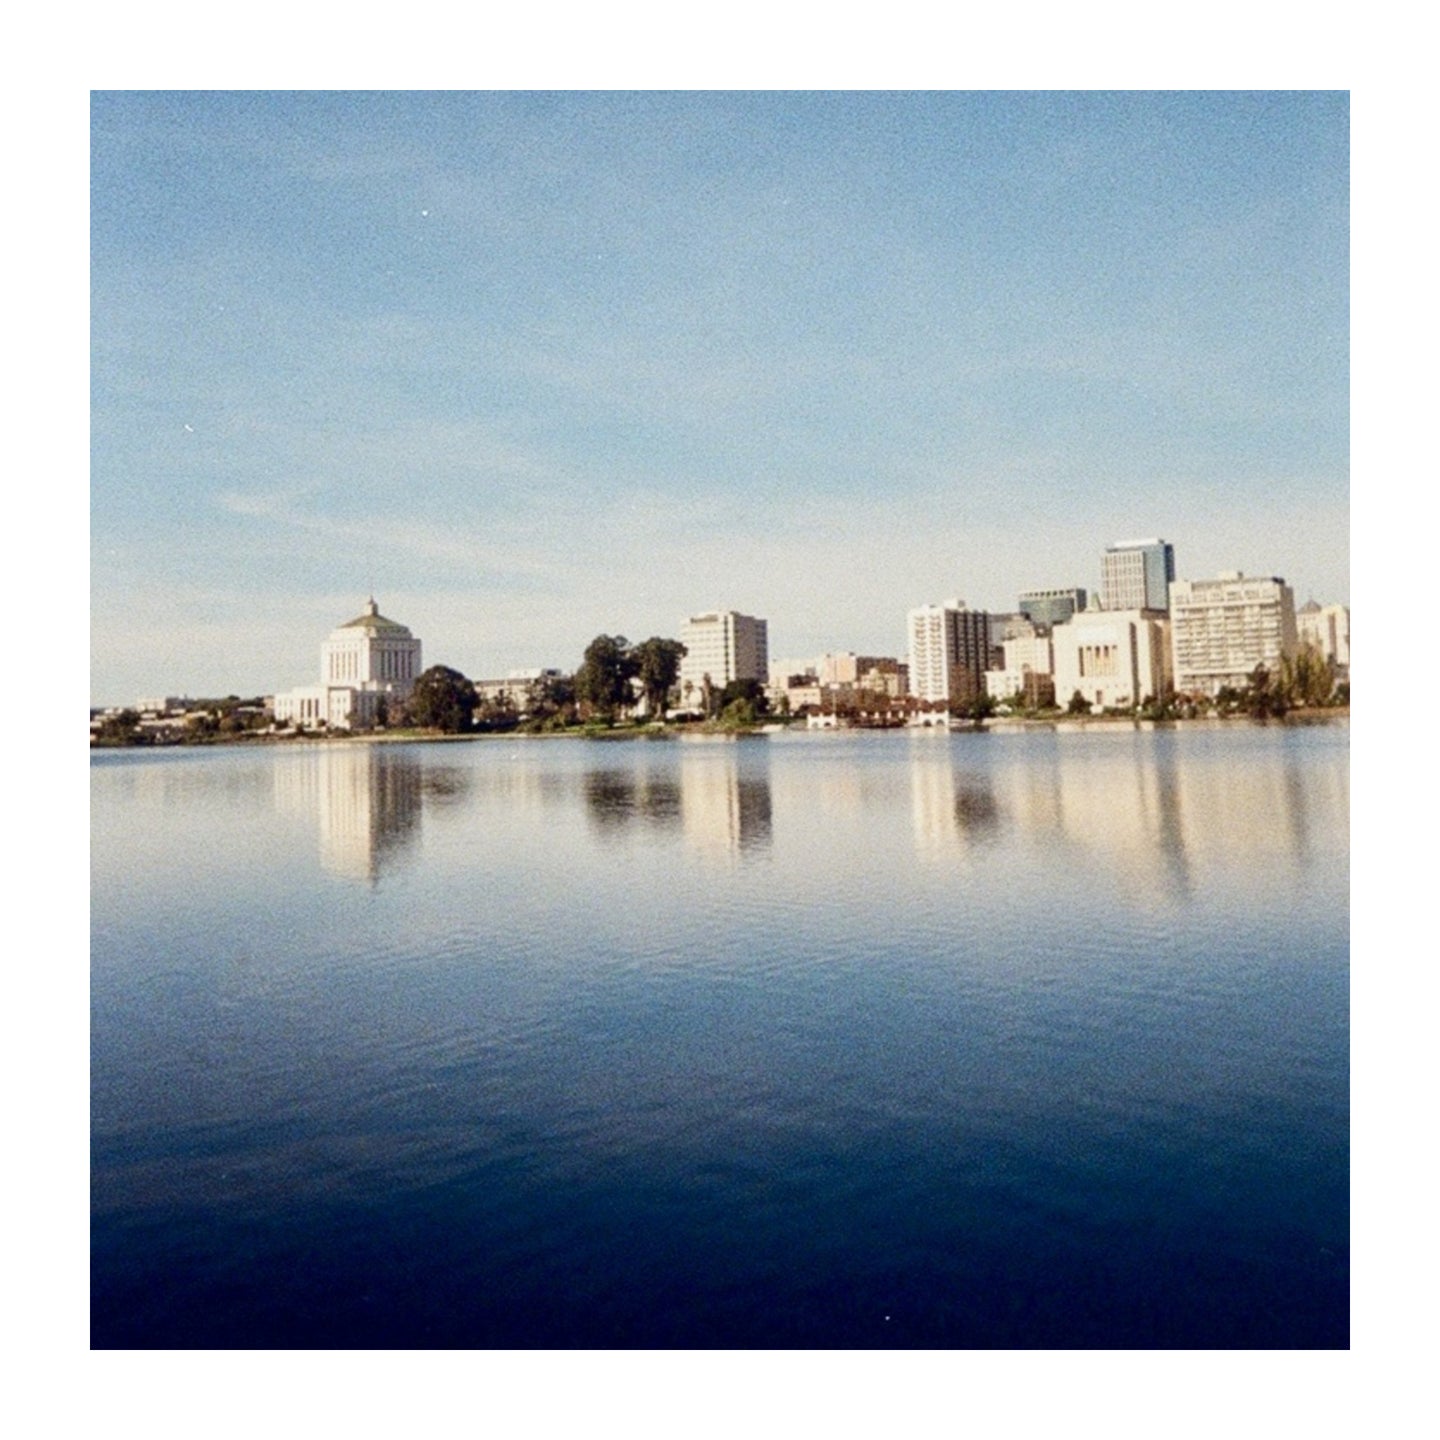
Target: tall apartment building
x=949 y=652
x=1327 y=628
x=1051 y=607
x=1136 y=575
x=1222 y=629
x=721 y=646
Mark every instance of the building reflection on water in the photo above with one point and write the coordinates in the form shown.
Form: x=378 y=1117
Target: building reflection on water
x=1142 y=806
x=1161 y=815
x=953 y=806
x=366 y=800
x=716 y=801
x=726 y=809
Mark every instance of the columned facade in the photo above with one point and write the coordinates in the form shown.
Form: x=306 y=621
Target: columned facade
x=367 y=665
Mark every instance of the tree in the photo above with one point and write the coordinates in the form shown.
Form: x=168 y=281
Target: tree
x=742 y=702
x=497 y=712
x=657 y=665
x=603 y=679
x=443 y=699
x=1078 y=705
x=121 y=729
x=1307 y=677
x=1262 y=697
x=551 y=703
x=982 y=707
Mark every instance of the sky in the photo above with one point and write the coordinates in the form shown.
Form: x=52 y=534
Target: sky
x=530 y=367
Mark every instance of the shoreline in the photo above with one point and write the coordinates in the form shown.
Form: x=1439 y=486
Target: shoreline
x=997 y=724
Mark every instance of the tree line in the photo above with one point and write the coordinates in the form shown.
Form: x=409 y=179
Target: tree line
x=615 y=678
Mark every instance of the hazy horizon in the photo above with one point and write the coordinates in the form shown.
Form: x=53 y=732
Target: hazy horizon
x=530 y=367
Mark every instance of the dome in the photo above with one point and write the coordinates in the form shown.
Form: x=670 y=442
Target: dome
x=373 y=621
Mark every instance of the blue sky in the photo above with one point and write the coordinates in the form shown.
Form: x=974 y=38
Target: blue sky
x=534 y=366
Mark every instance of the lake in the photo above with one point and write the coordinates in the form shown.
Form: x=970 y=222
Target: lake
x=861 y=1040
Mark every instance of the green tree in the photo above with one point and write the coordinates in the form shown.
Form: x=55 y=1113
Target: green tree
x=742 y=702
x=982 y=707
x=497 y=712
x=552 y=702
x=1307 y=677
x=443 y=699
x=1078 y=705
x=657 y=665
x=121 y=729
x=603 y=680
x=1262 y=696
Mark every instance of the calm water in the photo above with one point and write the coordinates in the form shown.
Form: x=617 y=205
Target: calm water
x=837 y=1040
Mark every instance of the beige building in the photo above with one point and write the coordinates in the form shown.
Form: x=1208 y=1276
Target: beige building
x=1222 y=629
x=367 y=665
x=721 y=646
x=1028 y=671
x=1115 y=658
x=1327 y=628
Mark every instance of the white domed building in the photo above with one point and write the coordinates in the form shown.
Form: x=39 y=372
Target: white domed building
x=367 y=666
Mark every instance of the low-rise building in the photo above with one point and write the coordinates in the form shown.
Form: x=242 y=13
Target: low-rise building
x=1027 y=671
x=519 y=688
x=1327 y=629
x=1116 y=659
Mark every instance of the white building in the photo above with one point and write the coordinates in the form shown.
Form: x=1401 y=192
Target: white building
x=721 y=646
x=1327 y=628
x=1114 y=658
x=1222 y=629
x=1136 y=575
x=949 y=652
x=367 y=665
x=1028 y=670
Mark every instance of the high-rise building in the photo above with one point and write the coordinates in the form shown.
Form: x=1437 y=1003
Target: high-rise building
x=721 y=646
x=1051 y=607
x=949 y=652
x=1136 y=575
x=1222 y=629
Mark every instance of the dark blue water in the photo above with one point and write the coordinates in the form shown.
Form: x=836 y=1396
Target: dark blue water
x=1007 y=1040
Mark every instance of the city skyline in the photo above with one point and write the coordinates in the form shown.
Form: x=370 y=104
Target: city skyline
x=531 y=368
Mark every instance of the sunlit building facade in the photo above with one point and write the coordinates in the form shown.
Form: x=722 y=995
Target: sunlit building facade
x=949 y=652
x=367 y=666
x=721 y=646
x=1115 y=659
x=1327 y=629
x=1136 y=575
x=1222 y=629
